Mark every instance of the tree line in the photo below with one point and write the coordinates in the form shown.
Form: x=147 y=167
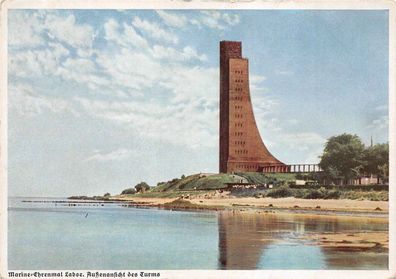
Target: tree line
x=345 y=158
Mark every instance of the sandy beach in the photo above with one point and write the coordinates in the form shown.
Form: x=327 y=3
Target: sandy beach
x=290 y=203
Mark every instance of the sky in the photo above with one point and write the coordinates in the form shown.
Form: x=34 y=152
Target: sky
x=100 y=100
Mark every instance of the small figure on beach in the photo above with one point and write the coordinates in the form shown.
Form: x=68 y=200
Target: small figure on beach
x=86 y=215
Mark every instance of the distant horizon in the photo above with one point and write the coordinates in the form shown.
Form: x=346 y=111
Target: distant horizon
x=100 y=100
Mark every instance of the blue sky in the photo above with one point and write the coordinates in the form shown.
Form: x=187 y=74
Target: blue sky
x=100 y=100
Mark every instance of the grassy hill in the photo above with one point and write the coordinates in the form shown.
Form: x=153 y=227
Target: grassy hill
x=196 y=182
x=201 y=184
x=218 y=181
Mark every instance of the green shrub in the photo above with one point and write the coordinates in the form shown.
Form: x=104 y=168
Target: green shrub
x=280 y=192
x=333 y=194
x=361 y=195
x=300 y=193
x=314 y=194
x=129 y=191
x=321 y=193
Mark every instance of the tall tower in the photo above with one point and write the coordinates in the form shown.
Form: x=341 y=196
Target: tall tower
x=241 y=147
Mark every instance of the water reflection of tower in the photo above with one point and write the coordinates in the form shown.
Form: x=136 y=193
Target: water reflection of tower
x=242 y=238
x=245 y=237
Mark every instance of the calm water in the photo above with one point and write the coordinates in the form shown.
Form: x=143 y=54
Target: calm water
x=110 y=236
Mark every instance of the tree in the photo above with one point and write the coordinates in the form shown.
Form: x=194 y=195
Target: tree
x=377 y=160
x=142 y=187
x=107 y=195
x=129 y=191
x=343 y=157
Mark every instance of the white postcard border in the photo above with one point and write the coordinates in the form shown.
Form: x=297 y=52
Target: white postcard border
x=5 y=5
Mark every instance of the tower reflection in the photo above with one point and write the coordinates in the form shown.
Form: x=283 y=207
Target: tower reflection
x=276 y=241
x=242 y=238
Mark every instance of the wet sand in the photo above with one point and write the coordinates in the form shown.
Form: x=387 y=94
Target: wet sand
x=355 y=240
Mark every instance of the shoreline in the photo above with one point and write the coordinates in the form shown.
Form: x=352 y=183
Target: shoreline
x=234 y=207
x=350 y=208
x=228 y=205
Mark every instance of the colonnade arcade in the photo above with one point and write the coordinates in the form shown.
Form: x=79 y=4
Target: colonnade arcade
x=291 y=168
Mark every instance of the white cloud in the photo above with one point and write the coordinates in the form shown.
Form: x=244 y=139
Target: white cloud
x=111 y=28
x=25 y=99
x=24 y=64
x=64 y=35
x=53 y=62
x=115 y=155
x=184 y=124
x=114 y=70
x=122 y=69
x=264 y=106
x=125 y=36
x=30 y=29
x=83 y=71
x=161 y=64
x=25 y=29
x=191 y=53
x=382 y=122
x=171 y=19
x=255 y=82
x=68 y=31
x=302 y=140
x=271 y=124
x=211 y=18
x=215 y=20
x=58 y=50
x=136 y=76
x=133 y=38
x=154 y=30
x=86 y=53
x=169 y=53
x=189 y=84
x=231 y=19
x=33 y=63
x=128 y=37
x=380 y=119
x=310 y=154
x=306 y=146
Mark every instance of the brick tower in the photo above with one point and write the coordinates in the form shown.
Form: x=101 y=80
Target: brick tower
x=241 y=147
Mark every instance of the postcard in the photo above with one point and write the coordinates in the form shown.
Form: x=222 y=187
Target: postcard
x=198 y=139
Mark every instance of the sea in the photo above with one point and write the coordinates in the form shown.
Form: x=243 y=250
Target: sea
x=60 y=234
